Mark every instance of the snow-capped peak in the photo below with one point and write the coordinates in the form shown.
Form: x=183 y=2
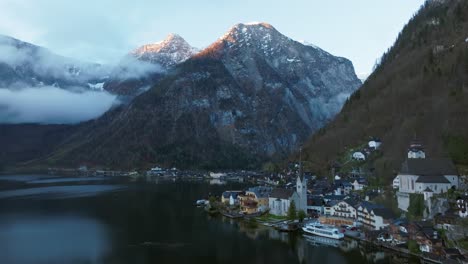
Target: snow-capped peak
x=306 y=43
x=168 y=52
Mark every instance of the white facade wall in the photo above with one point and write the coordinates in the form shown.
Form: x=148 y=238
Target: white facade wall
x=396 y=182
x=343 y=209
x=374 y=144
x=359 y=156
x=279 y=207
x=407 y=183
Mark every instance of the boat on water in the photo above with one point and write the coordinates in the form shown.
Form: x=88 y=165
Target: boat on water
x=202 y=202
x=322 y=230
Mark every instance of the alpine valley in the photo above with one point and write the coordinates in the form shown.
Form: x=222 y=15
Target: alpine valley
x=252 y=95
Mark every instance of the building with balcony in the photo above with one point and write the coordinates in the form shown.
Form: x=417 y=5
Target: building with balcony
x=373 y=216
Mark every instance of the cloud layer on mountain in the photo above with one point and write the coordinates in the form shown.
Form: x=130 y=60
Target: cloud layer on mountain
x=51 y=105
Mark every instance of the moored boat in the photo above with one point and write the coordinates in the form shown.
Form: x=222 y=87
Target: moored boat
x=319 y=229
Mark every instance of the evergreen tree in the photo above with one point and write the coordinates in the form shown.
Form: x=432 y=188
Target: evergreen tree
x=301 y=215
x=292 y=211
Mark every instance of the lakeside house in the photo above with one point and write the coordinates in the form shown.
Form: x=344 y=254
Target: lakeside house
x=373 y=216
x=255 y=199
x=315 y=204
x=346 y=209
x=280 y=199
x=230 y=197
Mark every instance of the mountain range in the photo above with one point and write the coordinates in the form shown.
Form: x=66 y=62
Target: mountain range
x=252 y=95
x=24 y=64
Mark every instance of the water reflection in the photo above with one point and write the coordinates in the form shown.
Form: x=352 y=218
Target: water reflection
x=24 y=178
x=52 y=239
x=217 y=182
x=59 y=192
x=66 y=180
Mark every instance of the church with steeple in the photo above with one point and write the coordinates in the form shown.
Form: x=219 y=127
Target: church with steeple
x=280 y=199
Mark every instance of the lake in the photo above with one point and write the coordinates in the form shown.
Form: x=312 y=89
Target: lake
x=52 y=219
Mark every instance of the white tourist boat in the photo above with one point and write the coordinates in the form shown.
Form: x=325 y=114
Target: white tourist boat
x=319 y=229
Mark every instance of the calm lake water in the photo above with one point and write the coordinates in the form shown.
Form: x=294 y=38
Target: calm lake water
x=46 y=219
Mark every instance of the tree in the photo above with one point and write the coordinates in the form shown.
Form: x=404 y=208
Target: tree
x=212 y=200
x=413 y=247
x=416 y=206
x=292 y=211
x=301 y=215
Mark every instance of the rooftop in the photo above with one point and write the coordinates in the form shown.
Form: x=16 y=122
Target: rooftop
x=428 y=167
x=281 y=193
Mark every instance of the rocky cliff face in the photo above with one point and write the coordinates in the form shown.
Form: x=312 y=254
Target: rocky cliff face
x=312 y=81
x=252 y=94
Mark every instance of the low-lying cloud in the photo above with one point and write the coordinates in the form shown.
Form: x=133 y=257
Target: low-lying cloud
x=51 y=105
x=132 y=68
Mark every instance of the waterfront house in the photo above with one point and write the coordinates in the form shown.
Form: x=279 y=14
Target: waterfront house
x=424 y=175
x=345 y=209
x=280 y=199
x=315 y=204
x=328 y=207
x=255 y=199
x=230 y=197
x=373 y=216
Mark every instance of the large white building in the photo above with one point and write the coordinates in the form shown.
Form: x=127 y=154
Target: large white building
x=280 y=199
x=420 y=175
x=346 y=208
x=373 y=216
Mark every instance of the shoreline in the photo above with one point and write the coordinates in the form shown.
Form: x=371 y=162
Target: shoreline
x=375 y=245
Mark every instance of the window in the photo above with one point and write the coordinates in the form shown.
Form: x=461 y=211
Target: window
x=412 y=184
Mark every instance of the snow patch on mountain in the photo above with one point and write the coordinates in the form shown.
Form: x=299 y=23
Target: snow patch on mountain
x=167 y=53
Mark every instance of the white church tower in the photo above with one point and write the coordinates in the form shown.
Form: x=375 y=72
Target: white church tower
x=301 y=189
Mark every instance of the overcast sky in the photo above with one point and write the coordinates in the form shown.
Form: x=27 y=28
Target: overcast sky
x=104 y=30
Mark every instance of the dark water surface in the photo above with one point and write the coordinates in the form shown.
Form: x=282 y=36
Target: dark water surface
x=63 y=220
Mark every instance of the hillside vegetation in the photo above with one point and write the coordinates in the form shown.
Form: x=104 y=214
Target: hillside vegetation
x=418 y=90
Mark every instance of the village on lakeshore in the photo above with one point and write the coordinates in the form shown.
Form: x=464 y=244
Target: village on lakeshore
x=422 y=212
